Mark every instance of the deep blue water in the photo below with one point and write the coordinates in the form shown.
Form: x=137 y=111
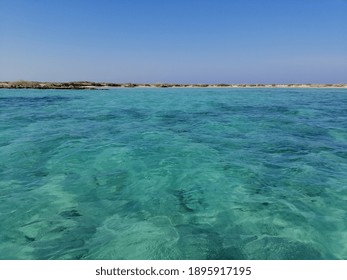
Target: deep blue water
x=173 y=174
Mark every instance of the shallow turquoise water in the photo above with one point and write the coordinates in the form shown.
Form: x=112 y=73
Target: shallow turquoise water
x=173 y=174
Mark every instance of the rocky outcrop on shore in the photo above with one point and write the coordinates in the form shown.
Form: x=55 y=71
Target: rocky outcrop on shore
x=96 y=85
x=55 y=85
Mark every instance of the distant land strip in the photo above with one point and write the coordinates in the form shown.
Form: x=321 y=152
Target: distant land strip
x=95 y=85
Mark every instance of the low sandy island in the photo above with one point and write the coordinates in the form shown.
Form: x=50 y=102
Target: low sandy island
x=97 y=85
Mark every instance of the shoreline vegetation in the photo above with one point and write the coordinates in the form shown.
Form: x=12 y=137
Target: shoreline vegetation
x=82 y=85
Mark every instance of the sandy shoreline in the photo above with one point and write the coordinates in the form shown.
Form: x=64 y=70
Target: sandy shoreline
x=104 y=86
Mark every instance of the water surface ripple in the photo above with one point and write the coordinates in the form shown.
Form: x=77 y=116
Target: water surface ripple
x=173 y=174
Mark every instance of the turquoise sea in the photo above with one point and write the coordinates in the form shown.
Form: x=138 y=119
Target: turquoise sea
x=173 y=174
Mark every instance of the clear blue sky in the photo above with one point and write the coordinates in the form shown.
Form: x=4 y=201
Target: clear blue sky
x=186 y=41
